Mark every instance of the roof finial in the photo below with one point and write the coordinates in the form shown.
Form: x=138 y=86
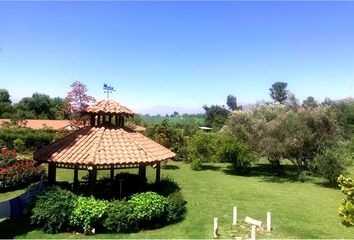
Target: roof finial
x=108 y=89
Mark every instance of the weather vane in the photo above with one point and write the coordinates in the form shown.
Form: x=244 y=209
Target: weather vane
x=108 y=89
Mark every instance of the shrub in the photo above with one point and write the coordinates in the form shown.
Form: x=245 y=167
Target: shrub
x=32 y=138
x=201 y=146
x=332 y=163
x=19 y=145
x=232 y=150
x=7 y=157
x=120 y=217
x=346 y=209
x=196 y=165
x=165 y=187
x=176 y=206
x=21 y=173
x=53 y=209
x=87 y=212
x=149 y=208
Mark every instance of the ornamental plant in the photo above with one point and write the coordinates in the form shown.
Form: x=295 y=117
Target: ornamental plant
x=21 y=173
x=346 y=209
x=88 y=212
x=52 y=210
x=149 y=207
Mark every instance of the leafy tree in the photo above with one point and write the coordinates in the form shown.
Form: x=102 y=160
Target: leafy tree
x=310 y=102
x=6 y=109
x=78 y=101
x=332 y=163
x=230 y=149
x=278 y=92
x=215 y=116
x=78 y=98
x=4 y=96
x=231 y=102
x=38 y=104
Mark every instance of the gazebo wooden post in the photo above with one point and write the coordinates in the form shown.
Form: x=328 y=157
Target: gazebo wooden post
x=122 y=121
x=92 y=179
x=158 y=170
x=99 y=120
x=110 y=119
x=52 y=172
x=112 y=173
x=142 y=175
x=119 y=121
x=76 y=178
x=92 y=121
x=116 y=120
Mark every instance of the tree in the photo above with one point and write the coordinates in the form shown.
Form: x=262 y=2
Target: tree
x=215 y=116
x=310 y=102
x=231 y=102
x=78 y=98
x=4 y=96
x=78 y=101
x=39 y=104
x=278 y=92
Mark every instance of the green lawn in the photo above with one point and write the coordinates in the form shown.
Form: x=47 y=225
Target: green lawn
x=299 y=210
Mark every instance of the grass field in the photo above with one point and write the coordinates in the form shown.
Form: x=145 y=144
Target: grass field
x=299 y=210
x=172 y=120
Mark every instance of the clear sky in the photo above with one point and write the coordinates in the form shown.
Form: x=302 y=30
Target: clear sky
x=177 y=54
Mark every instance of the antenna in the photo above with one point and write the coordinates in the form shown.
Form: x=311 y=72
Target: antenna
x=108 y=89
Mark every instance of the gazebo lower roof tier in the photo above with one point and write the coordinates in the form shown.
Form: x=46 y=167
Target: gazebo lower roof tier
x=108 y=106
x=93 y=146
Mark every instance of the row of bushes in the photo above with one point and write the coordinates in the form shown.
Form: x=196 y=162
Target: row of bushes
x=25 y=138
x=15 y=173
x=59 y=210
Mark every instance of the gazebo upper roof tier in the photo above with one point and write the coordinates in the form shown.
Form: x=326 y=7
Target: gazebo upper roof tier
x=108 y=106
x=103 y=146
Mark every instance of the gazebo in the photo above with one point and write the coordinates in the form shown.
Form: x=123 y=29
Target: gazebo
x=105 y=144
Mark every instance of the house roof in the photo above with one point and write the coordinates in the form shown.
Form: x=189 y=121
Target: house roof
x=108 y=106
x=39 y=124
x=103 y=146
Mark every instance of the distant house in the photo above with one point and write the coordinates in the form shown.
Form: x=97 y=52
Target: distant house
x=39 y=124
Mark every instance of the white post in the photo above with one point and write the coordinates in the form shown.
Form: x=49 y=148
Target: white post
x=234 y=221
x=216 y=227
x=269 y=221
x=253 y=232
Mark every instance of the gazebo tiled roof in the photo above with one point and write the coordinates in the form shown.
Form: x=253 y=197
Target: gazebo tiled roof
x=104 y=146
x=108 y=106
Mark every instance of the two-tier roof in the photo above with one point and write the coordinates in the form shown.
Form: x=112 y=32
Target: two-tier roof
x=105 y=144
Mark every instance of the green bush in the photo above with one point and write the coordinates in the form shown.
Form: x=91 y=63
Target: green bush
x=120 y=217
x=232 y=150
x=19 y=145
x=346 y=209
x=53 y=209
x=32 y=139
x=149 y=207
x=176 y=206
x=332 y=163
x=196 y=165
x=165 y=187
x=87 y=212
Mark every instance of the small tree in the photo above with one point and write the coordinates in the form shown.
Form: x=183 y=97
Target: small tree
x=4 y=96
x=310 y=102
x=332 y=163
x=78 y=101
x=231 y=102
x=278 y=92
x=215 y=116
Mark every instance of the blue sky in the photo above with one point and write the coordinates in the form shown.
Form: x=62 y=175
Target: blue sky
x=179 y=55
